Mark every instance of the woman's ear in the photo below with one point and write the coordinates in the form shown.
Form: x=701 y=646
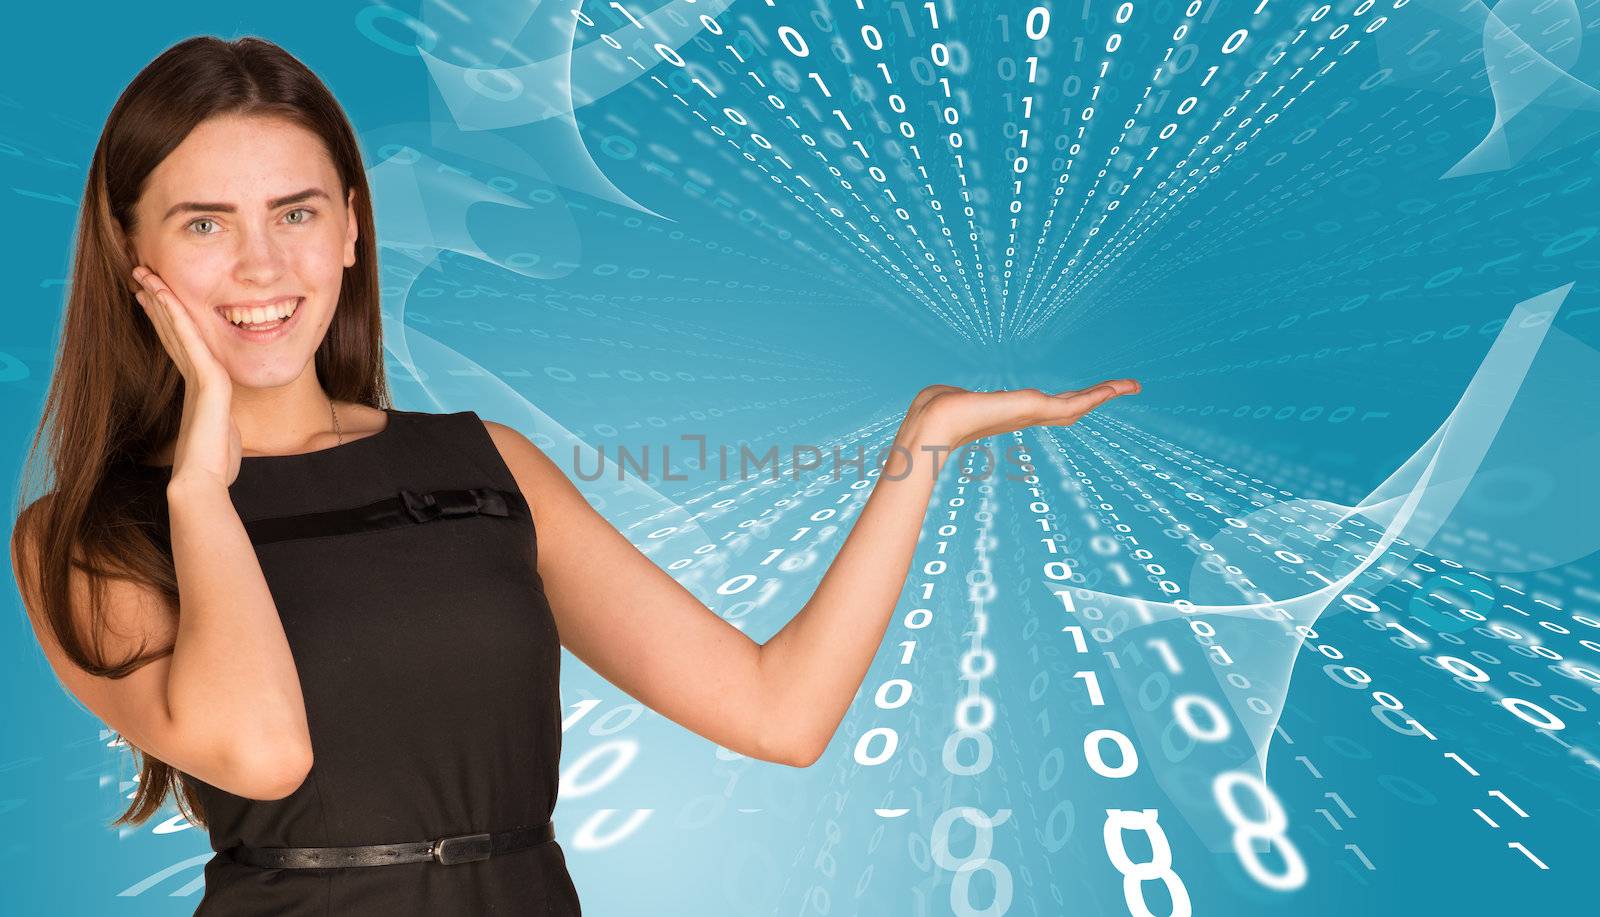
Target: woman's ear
x=351 y=230
x=129 y=251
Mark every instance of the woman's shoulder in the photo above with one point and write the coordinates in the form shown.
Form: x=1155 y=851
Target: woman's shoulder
x=439 y=416
x=466 y=428
x=459 y=425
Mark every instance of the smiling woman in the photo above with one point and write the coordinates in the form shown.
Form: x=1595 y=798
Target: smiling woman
x=245 y=557
x=275 y=611
x=267 y=265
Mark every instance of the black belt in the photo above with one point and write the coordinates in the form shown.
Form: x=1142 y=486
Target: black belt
x=462 y=848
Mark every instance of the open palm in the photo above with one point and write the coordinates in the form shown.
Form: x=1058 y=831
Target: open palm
x=958 y=416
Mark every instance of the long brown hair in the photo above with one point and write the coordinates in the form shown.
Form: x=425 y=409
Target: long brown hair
x=115 y=395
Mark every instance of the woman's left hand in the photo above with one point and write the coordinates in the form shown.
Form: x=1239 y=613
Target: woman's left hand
x=954 y=417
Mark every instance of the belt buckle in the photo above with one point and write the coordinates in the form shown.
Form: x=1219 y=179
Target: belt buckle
x=462 y=848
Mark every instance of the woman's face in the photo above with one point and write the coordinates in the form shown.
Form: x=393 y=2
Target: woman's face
x=246 y=211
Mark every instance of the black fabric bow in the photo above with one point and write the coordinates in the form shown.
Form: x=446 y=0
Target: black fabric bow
x=407 y=508
x=436 y=504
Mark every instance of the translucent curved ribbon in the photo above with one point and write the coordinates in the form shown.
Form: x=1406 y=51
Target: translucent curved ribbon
x=1530 y=48
x=429 y=208
x=1505 y=482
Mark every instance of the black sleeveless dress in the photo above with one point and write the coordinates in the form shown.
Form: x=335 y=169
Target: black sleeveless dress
x=402 y=565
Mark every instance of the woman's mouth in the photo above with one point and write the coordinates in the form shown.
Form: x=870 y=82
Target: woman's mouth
x=262 y=324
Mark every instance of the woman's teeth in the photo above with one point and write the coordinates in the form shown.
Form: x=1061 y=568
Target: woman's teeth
x=261 y=318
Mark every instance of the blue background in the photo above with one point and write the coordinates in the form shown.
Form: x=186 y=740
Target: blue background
x=1304 y=300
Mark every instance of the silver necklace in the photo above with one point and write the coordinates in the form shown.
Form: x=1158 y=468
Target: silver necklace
x=336 y=431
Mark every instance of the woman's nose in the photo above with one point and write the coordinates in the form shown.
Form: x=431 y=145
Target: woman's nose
x=260 y=255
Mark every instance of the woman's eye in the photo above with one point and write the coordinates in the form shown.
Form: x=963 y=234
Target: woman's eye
x=306 y=213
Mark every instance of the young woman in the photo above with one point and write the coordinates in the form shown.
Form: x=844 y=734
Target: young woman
x=330 y=629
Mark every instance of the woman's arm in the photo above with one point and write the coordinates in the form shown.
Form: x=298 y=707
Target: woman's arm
x=813 y=666
x=225 y=704
x=232 y=683
x=641 y=630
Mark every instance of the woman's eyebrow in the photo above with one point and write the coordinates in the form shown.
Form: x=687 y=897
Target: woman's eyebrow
x=275 y=203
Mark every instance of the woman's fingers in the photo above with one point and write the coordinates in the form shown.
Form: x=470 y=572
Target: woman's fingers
x=159 y=316
x=1089 y=400
x=178 y=332
x=1120 y=386
x=157 y=313
x=963 y=416
x=1075 y=404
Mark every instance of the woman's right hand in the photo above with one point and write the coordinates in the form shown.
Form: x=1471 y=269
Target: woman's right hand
x=208 y=445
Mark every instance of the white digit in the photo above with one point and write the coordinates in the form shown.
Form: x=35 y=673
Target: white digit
x=1270 y=829
x=1159 y=868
